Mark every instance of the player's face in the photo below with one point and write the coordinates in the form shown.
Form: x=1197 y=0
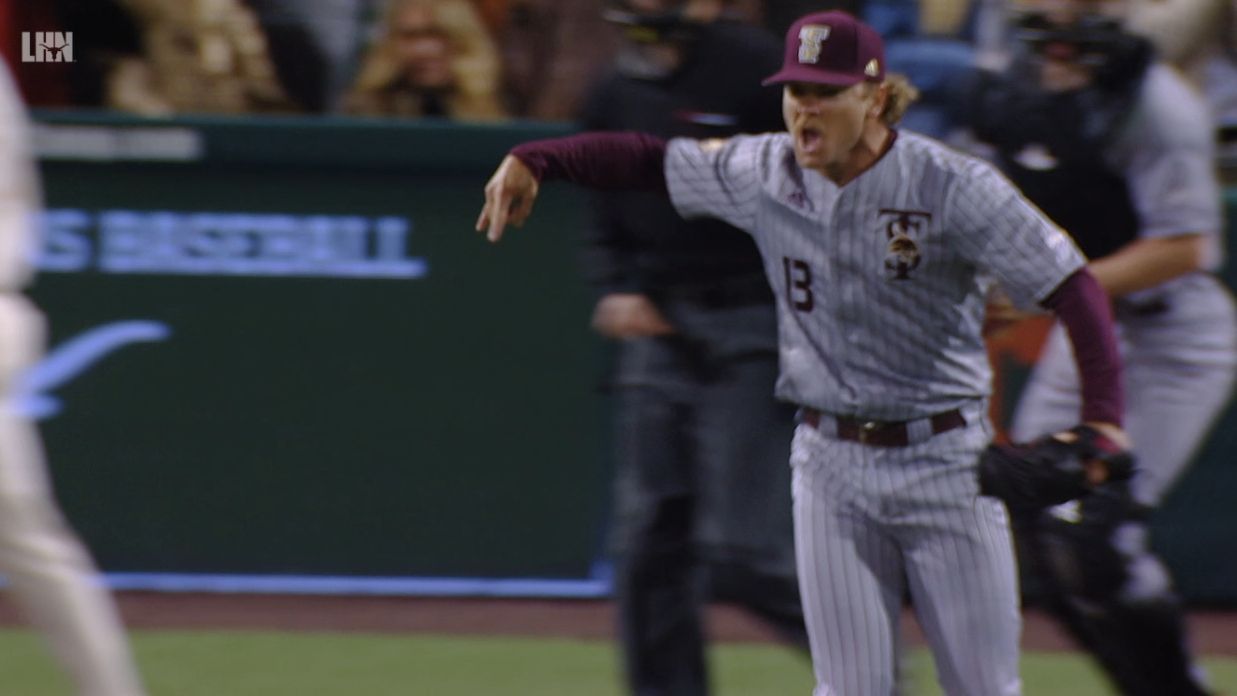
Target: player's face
x=1063 y=63
x=825 y=122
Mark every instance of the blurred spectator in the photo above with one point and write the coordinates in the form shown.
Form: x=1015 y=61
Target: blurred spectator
x=199 y=56
x=433 y=58
x=944 y=17
x=746 y=11
x=313 y=46
x=929 y=41
x=104 y=32
x=780 y=14
x=552 y=51
x=1200 y=38
x=493 y=13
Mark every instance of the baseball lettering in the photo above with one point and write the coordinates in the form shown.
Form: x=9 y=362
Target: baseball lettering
x=228 y=244
x=67 y=246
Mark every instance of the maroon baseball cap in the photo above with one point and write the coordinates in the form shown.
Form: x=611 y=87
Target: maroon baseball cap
x=831 y=48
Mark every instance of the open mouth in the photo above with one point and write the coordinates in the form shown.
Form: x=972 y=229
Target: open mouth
x=809 y=140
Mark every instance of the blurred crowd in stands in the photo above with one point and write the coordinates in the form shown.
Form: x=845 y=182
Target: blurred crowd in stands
x=486 y=60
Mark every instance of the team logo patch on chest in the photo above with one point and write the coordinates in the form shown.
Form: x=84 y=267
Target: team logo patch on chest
x=902 y=252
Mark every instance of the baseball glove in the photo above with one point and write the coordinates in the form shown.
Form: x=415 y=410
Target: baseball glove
x=1049 y=471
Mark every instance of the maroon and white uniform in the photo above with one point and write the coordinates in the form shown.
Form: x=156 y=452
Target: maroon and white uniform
x=881 y=287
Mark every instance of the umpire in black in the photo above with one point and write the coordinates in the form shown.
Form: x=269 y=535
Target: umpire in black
x=702 y=491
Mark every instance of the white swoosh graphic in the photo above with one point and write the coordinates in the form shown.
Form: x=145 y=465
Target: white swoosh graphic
x=74 y=357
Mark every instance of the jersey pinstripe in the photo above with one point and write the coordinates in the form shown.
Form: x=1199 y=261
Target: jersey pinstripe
x=881 y=283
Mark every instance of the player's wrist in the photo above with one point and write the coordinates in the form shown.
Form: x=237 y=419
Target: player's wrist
x=1112 y=432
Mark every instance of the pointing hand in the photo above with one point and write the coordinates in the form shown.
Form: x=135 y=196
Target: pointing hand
x=509 y=197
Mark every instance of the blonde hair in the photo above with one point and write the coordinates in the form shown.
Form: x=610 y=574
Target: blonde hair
x=901 y=94
x=474 y=65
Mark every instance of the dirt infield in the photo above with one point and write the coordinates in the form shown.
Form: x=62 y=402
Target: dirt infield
x=1214 y=633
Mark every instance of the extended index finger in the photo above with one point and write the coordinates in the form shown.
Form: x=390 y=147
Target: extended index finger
x=497 y=210
x=483 y=220
x=493 y=215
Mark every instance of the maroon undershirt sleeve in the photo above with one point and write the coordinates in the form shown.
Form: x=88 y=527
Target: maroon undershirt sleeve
x=1082 y=306
x=607 y=161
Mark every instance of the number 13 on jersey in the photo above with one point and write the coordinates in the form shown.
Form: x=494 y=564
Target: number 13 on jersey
x=798 y=277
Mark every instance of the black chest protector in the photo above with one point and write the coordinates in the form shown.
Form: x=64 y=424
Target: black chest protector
x=1052 y=146
x=1087 y=199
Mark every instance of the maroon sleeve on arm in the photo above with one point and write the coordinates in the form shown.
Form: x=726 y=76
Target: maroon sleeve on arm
x=604 y=161
x=1084 y=309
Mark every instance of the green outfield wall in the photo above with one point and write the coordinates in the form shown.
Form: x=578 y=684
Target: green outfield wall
x=278 y=348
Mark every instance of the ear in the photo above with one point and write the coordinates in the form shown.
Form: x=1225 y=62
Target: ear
x=880 y=95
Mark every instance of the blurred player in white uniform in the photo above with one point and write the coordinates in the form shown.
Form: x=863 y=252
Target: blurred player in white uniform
x=50 y=574
x=880 y=246
x=1115 y=147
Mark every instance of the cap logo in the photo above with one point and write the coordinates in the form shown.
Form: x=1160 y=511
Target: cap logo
x=810 y=38
x=872 y=69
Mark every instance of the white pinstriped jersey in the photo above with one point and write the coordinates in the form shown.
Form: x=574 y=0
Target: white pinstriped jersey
x=881 y=283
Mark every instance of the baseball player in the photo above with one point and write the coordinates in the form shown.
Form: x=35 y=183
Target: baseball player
x=880 y=246
x=51 y=576
x=1117 y=149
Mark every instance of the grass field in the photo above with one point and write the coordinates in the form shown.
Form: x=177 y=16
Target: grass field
x=232 y=663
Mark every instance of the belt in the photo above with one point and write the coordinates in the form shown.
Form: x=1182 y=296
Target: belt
x=884 y=433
